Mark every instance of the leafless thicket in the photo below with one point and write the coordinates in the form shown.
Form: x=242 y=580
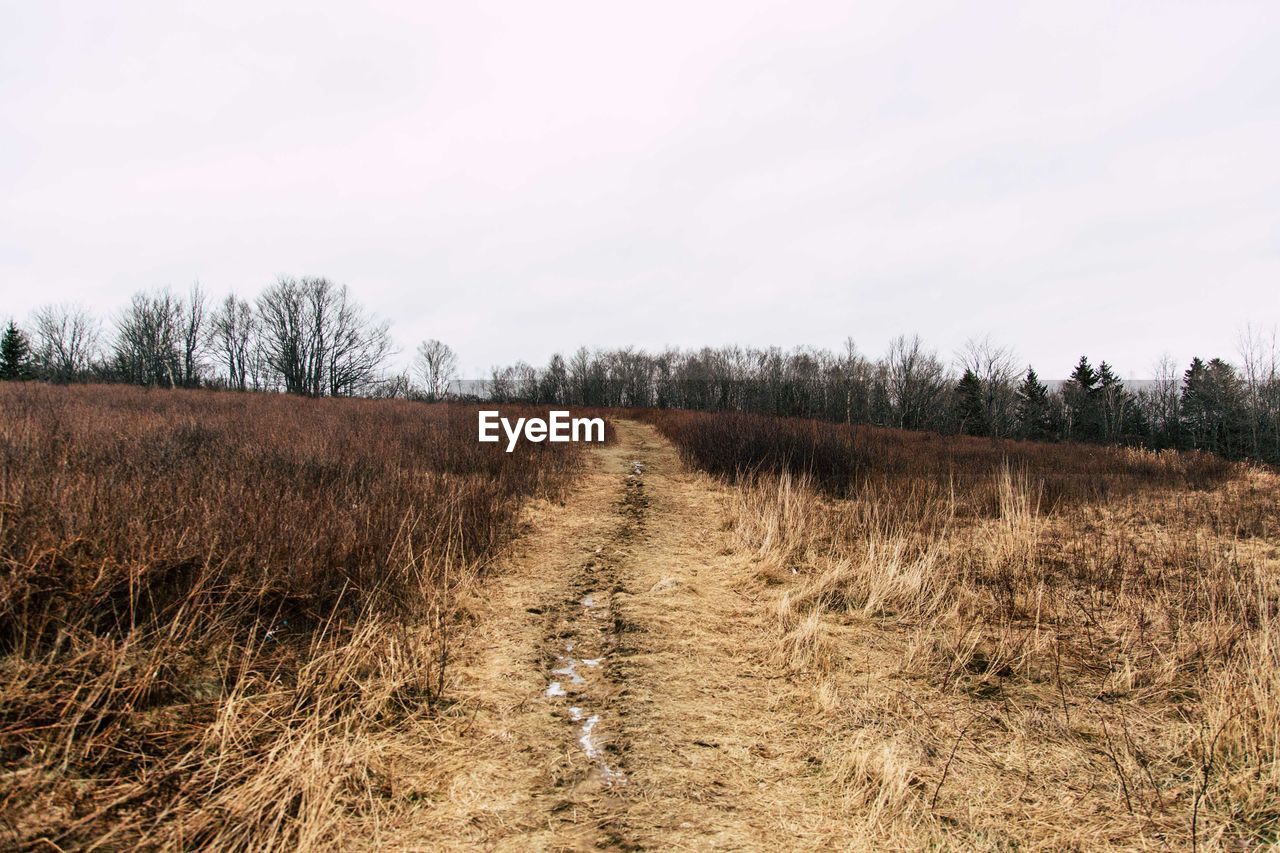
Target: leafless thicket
x=160 y=339
x=305 y=336
x=211 y=603
x=234 y=342
x=66 y=342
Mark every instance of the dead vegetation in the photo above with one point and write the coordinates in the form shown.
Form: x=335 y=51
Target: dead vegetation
x=226 y=622
x=210 y=604
x=1026 y=646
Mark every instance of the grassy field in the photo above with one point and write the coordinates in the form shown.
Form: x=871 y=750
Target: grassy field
x=210 y=603
x=250 y=621
x=1084 y=646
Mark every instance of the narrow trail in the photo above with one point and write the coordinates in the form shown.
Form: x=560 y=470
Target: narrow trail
x=615 y=689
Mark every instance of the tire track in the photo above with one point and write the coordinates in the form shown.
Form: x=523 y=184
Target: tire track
x=584 y=656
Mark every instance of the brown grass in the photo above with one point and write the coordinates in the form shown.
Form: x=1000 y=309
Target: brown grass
x=998 y=669
x=209 y=602
x=844 y=459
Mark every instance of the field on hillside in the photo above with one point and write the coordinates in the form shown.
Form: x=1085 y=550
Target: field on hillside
x=252 y=621
x=1082 y=645
x=210 y=603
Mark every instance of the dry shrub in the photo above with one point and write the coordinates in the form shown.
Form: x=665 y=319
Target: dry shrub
x=210 y=602
x=844 y=460
x=1085 y=638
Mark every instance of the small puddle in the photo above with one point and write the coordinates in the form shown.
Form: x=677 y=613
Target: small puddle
x=589 y=745
x=570 y=669
x=612 y=776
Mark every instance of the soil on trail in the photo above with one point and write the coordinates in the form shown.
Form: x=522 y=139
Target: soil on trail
x=614 y=689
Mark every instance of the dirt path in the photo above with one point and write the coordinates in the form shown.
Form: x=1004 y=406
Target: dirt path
x=616 y=689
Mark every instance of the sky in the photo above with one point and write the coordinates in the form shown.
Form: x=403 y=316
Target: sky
x=518 y=179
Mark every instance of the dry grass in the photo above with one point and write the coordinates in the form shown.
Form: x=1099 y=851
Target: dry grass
x=997 y=669
x=226 y=622
x=211 y=604
x=843 y=460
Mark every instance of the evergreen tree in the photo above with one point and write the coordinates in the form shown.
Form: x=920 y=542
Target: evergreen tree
x=1195 y=404
x=1081 y=397
x=1135 y=425
x=970 y=413
x=15 y=354
x=1214 y=414
x=1107 y=377
x=1230 y=417
x=1112 y=404
x=1032 y=411
x=1084 y=375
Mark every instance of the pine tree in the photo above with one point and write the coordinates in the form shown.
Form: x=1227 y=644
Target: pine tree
x=1033 y=409
x=1113 y=404
x=1214 y=410
x=1081 y=394
x=1135 y=425
x=1107 y=377
x=970 y=413
x=1083 y=375
x=1229 y=415
x=1195 y=404
x=15 y=354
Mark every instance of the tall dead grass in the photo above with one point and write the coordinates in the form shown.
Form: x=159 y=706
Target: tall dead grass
x=1099 y=668
x=211 y=603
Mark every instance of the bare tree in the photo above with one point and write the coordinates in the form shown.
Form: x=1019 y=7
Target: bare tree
x=997 y=369
x=631 y=373
x=554 y=382
x=317 y=340
x=192 y=337
x=66 y=342
x=915 y=381
x=516 y=383
x=1164 y=409
x=261 y=375
x=502 y=384
x=232 y=334
x=436 y=366
x=1260 y=364
x=853 y=377
x=286 y=336
x=357 y=346
x=585 y=379
x=395 y=386
x=148 y=343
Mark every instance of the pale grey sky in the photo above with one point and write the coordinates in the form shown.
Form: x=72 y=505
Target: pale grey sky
x=516 y=178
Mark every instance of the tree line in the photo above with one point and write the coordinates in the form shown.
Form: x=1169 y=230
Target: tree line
x=300 y=335
x=309 y=336
x=1211 y=405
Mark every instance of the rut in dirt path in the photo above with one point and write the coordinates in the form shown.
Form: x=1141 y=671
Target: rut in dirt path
x=585 y=647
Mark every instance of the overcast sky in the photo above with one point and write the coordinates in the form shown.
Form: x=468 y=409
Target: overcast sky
x=521 y=178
